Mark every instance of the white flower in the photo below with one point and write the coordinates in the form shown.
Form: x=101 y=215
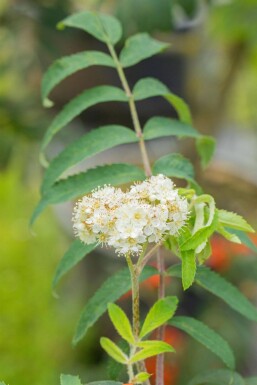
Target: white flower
x=146 y=213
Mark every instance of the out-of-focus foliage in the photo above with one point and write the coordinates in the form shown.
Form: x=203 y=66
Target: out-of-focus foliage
x=233 y=26
x=34 y=328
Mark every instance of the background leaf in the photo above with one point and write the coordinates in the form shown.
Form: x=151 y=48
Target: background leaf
x=207 y=337
x=86 y=99
x=103 y=27
x=88 y=145
x=205 y=147
x=159 y=314
x=64 y=67
x=76 y=252
x=150 y=87
x=218 y=377
x=97 y=305
x=174 y=165
x=251 y=381
x=83 y=183
x=217 y=285
x=67 y=379
x=121 y=322
x=113 y=350
x=140 y=47
x=245 y=239
x=159 y=126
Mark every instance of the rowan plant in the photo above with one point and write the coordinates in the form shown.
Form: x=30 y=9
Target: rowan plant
x=150 y=218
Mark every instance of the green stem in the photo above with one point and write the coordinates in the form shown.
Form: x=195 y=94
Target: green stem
x=133 y=110
x=130 y=372
x=161 y=329
x=134 y=274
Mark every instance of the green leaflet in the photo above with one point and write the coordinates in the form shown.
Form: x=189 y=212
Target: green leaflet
x=140 y=47
x=234 y=221
x=83 y=183
x=114 y=368
x=150 y=349
x=217 y=285
x=103 y=27
x=76 y=252
x=121 y=322
x=188 y=268
x=159 y=313
x=205 y=147
x=200 y=236
x=205 y=253
x=141 y=377
x=68 y=65
x=88 y=145
x=86 y=99
x=97 y=305
x=218 y=377
x=159 y=126
x=113 y=350
x=150 y=87
x=67 y=379
x=226 y=234
x=207 y=337
x=174 y=165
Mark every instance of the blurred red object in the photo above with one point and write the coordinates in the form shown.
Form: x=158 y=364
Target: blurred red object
x=224 y=251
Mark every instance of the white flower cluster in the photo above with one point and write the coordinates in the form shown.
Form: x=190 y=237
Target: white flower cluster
x=146 y=213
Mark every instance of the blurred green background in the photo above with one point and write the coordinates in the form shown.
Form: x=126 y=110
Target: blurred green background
x=212 y=63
